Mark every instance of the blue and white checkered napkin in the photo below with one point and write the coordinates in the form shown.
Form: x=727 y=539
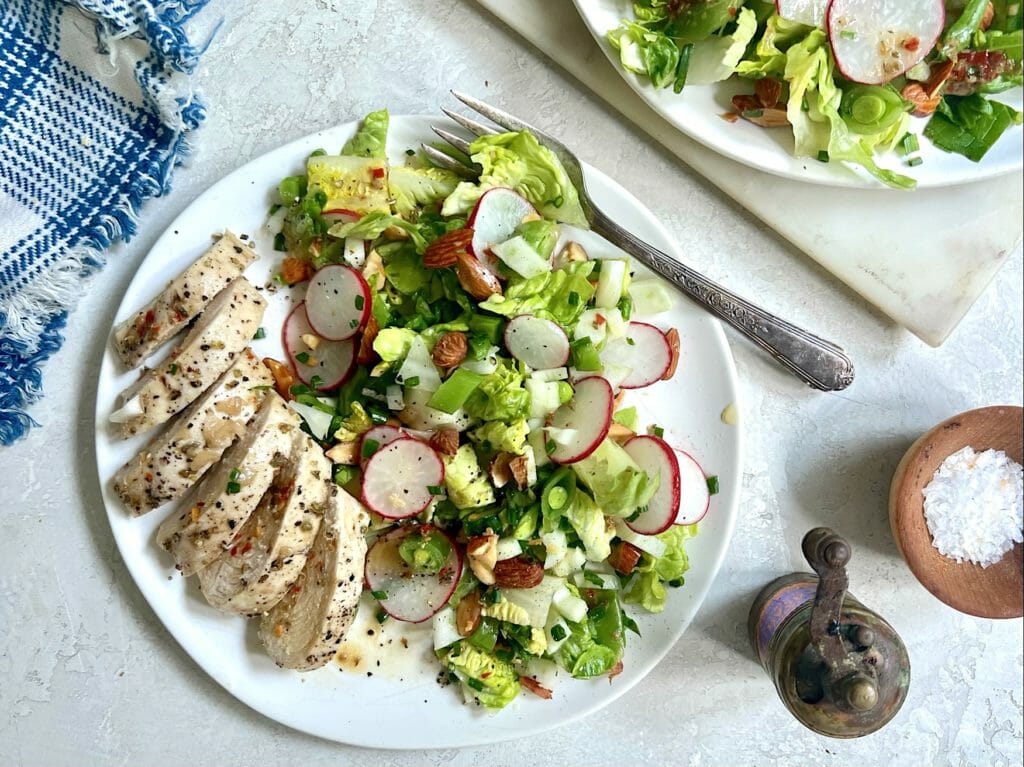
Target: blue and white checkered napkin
x=95 y=107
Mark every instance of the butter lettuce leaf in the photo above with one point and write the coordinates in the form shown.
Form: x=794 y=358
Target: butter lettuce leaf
x=560 y=295
x=414 y=187
x=493 y=682
x=646 y=587
x=501 y=396
x=618 y=484
x=371 y=138
x=517 y=161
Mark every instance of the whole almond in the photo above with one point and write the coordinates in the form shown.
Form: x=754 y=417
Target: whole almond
x=467 y=613
x=450 y=349
x=672 y=336
x=475 y=278
x=518 y=573
x=444 y=251
x=445 y=441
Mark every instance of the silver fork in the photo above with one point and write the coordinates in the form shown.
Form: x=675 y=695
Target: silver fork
x=817 y=362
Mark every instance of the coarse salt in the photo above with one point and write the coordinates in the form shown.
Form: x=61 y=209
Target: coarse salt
x=974 y=506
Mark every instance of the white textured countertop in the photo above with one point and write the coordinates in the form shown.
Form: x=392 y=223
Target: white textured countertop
x=89 y=676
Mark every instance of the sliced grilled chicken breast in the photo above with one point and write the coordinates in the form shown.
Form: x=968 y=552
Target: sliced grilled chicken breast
x=175 y=460
x=182 y=300
x=269 y=551
x=222 y=331
x=304 y=629
x=213 y=510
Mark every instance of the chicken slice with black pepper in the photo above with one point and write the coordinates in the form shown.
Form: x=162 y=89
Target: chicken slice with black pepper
x=183 y=299
x=304 y=629
x=269 y=551
x=177 y=458
x=211 y=512
x=220 y=334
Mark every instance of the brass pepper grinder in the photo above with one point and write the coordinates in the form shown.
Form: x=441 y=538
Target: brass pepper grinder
x=839 y=667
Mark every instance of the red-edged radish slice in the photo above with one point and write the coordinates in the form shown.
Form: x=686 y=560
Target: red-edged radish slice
x=497 y=214
x=398 y=478
x=340 y=216
x=337 y=302
x=809 y=12
x=404 y=594
x=584 y=420
x=331 y=361
x=875 y=42
x=538 y=342
x=383 y=435
x=644 y=350
x=656 y=458
x=694 y=496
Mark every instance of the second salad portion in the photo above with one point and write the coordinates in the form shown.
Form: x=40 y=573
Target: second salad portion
x=462 y=358
x=844 y=76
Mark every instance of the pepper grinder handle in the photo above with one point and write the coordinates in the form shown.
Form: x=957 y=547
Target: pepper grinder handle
x=828 y=552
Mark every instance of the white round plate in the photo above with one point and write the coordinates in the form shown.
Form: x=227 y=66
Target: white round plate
x=400 y=704
x=697 y=113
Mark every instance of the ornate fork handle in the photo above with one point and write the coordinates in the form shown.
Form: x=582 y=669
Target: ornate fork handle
x=817 y=362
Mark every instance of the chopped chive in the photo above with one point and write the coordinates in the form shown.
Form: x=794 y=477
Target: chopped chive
x=353 y=323
x=549 y=446
x=848 y=34
x=629 y=623
x=412 y=382
x=557 y=632
x=370 y=447
x=913 y=162
x=381 y=616
x=592 y=578
x=173 y=368
x=303 y=357
x=359 y=302
x=658 y=432
x=823 y=156
x=318 y=153
x=261 y=332
x=573 y=298
x=474 y=684
x=713 y=484
x=343 y=474
x=274 y=208
x=379 y=595
x=234 y=487
x=630 y=341
x=910 y=143
x=435 y=489
x=234 y=475
x=677 y=582
x=279 y=242
x=493 y=596
x=316 y=382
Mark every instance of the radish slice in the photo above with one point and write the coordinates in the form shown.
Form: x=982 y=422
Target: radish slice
x=398 y=478
x=404 y=594
x=657 y=459
x=497 y=214
x=694 y=496
x=538 y=342
x=383 y=435
x=337 y=302
x=644 y=350
x=582 y=422
x=876 y=42
x=331 y=362
x=809 y=12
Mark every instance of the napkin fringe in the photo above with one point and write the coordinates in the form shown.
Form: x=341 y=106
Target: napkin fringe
x=34 y=317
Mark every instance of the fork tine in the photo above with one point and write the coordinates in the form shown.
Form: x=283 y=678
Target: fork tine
x=474 y=127
x=456 y=141
x=443 y=160
x=502 y=118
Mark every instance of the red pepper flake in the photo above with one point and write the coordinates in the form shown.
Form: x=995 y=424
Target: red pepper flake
x=378 y=173
x=485 y=674
x=295 y=589
x=535 y=687
x=247 y=548
x=599 y=320
x=730 y=117
x=912 y=43
x=616 y=670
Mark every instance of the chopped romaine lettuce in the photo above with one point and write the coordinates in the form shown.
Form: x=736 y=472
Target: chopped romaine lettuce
x=491 y=681
x=467 y=484
x=646 y=587
x=618 y=484
x=970 y=125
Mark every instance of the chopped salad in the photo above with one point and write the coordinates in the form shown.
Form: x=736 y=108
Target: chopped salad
x=844 y=76
x=462 y=359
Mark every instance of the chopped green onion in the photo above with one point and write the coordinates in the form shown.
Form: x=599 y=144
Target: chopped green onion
x=318 y=153
x=302 y=357
x=379 y=595
x=410 y=152
x=557 y=632
x=677 y=582
x=360 y=302
x=910 y=143
x=381 y=616
x=486 y=635
x=823 y=156
x=913 y=162
x=453 y=393
x=261 y=332
x=573 y=298
x=713 y=484
x=316 y=382
x=584 y=354
x=370 y=446
x=173 y=368
x=594 y=578
x=658 y=432
x=549 y=446
x=630 y=341
x=412 y=381
x=848 y=34
x=233 y=488
x=344 y=474
x=280 y=244
x=435 y=489
x=492 y=597
x=474 y=684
